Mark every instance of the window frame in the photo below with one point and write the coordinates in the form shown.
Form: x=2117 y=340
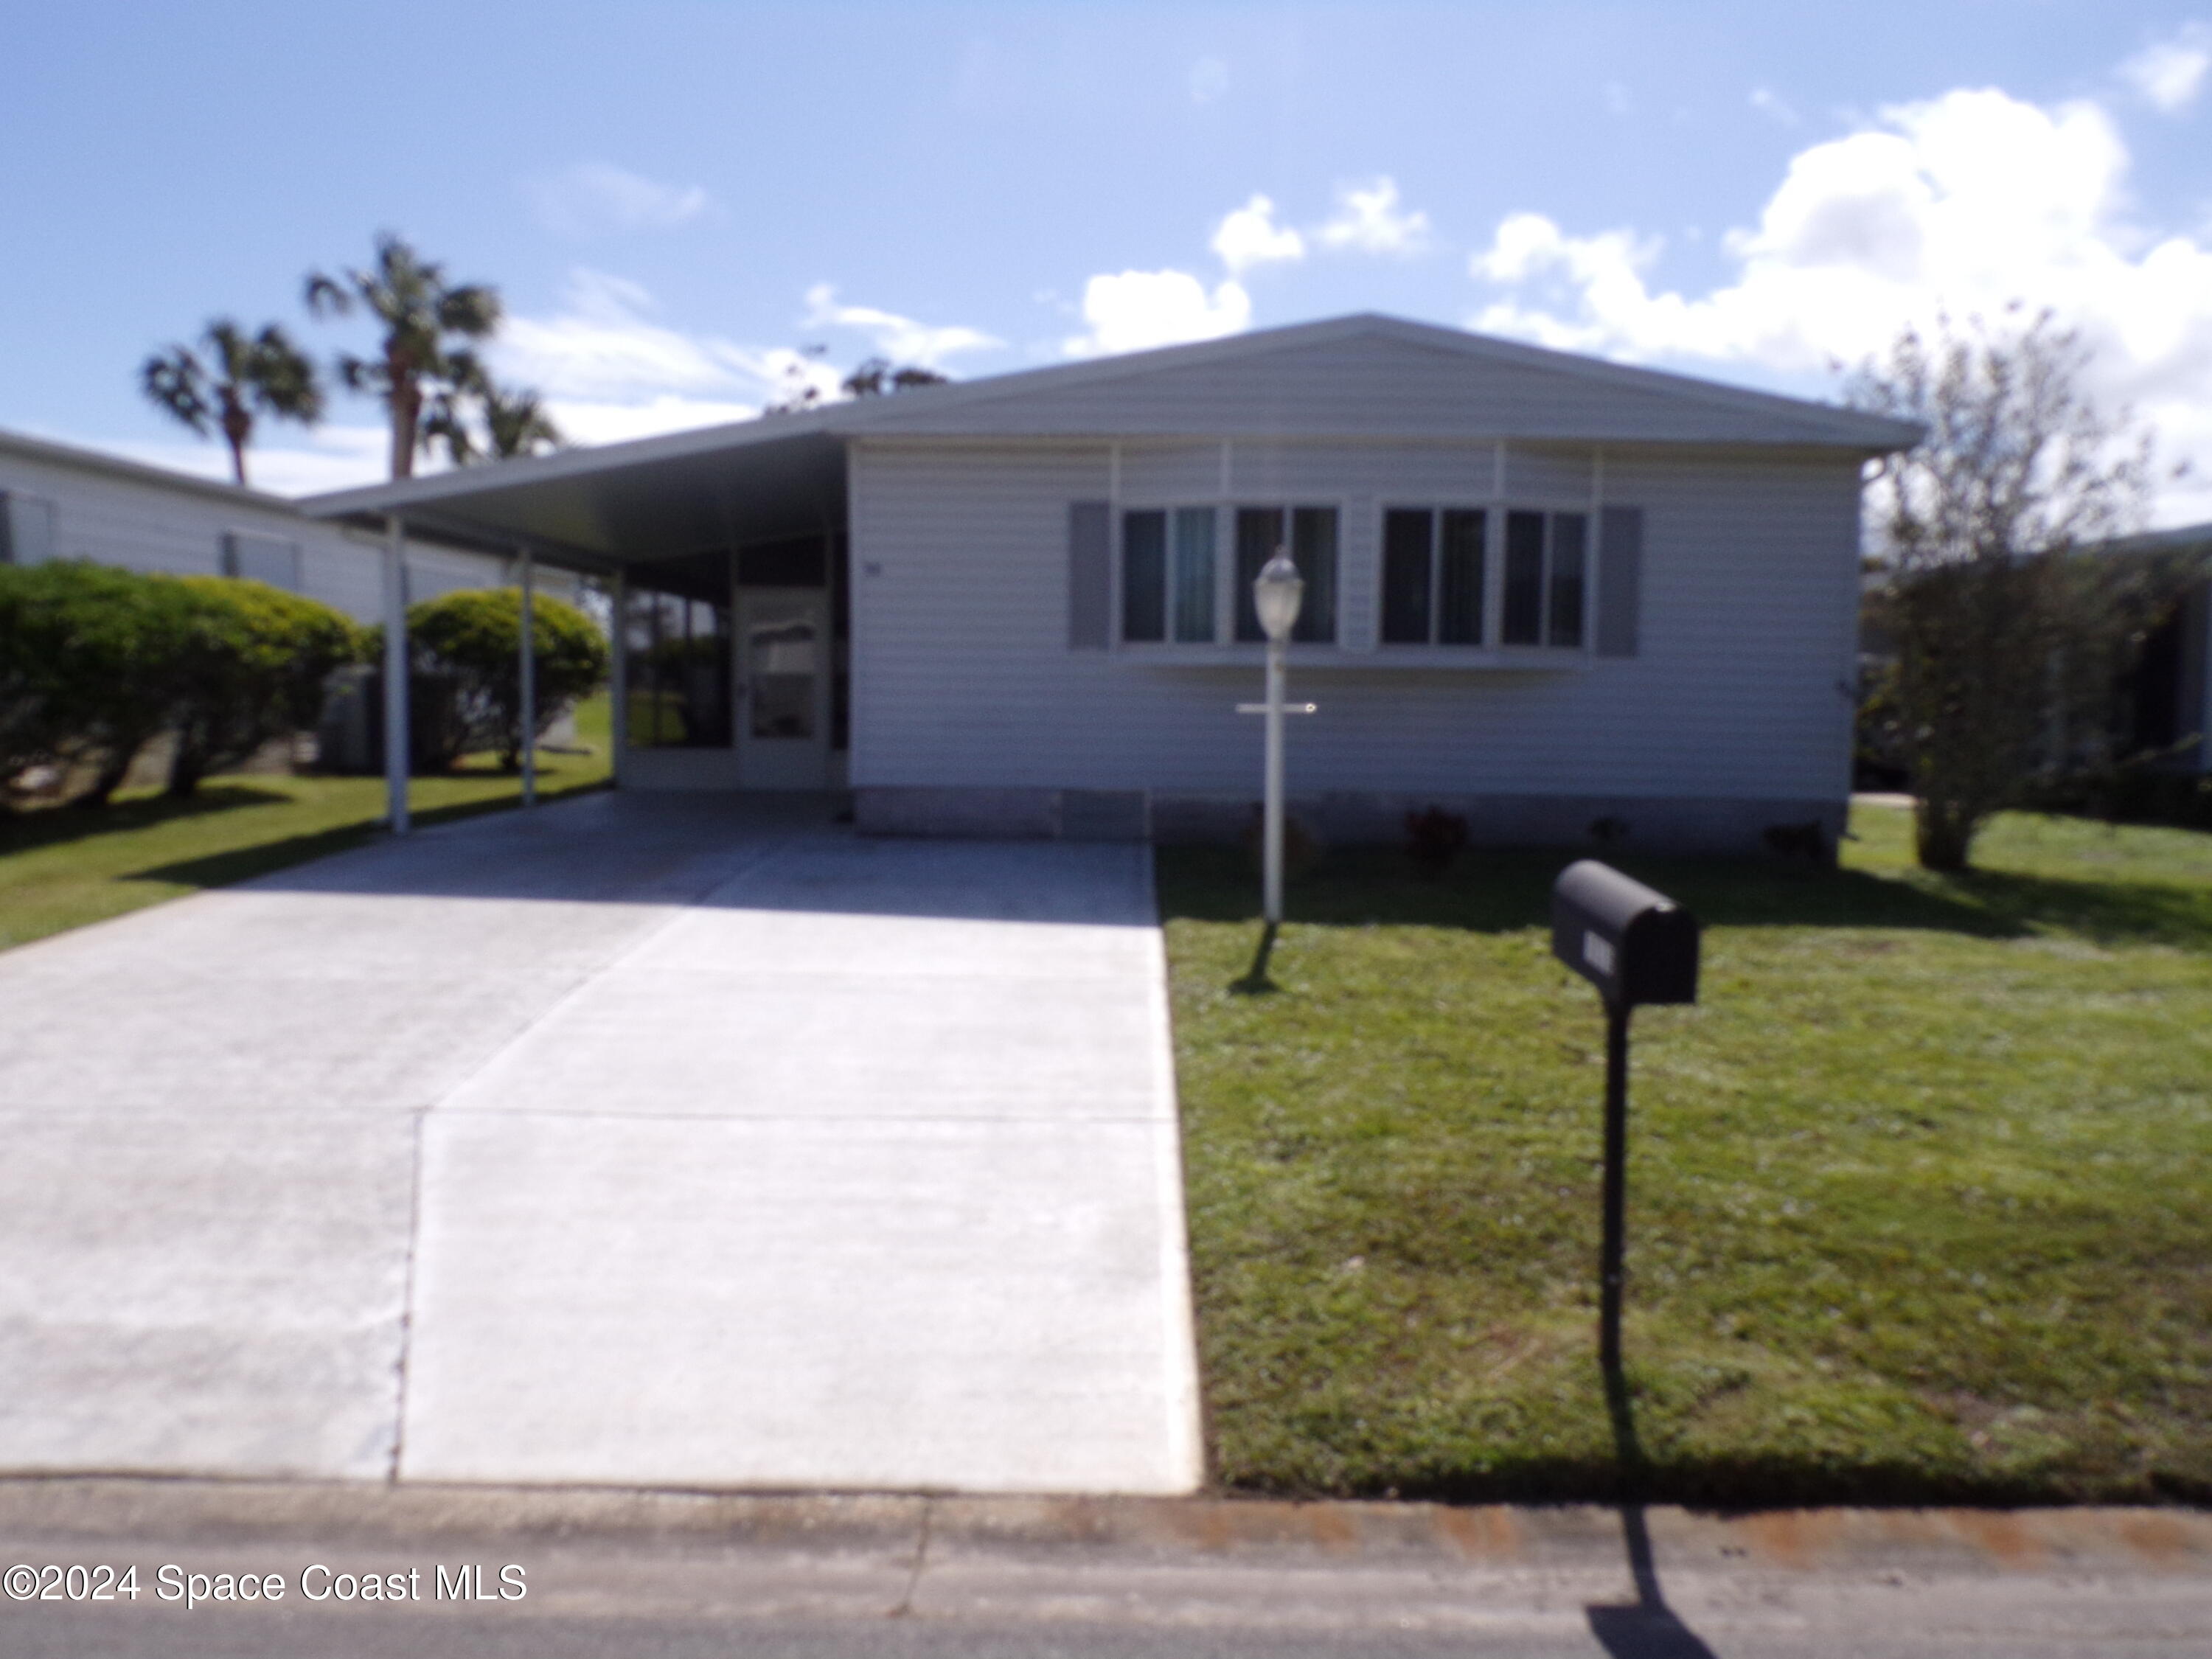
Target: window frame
x=1224 y=509
x=1498 y=512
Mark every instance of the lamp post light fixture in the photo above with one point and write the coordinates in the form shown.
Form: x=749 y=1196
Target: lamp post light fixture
x=1277 y=593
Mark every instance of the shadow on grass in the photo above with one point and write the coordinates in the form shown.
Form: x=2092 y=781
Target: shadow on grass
x=243 y=863
x=52 y=826
x=1256 y=982
x=1507 y=892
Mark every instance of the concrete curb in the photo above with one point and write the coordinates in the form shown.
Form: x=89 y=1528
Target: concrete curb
x=1949 y=1541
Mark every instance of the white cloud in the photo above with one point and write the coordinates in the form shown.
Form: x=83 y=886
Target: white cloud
x=1370 y=220
x=1964 y=203
x=1208 y=81
x=586 y=422
x=603 y=348
x=1249 y=236
x=2170 y=73
x=1137 y=309
x=900 y=338
x=594 y=196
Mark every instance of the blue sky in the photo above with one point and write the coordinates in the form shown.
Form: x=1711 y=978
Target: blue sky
x=674 y=198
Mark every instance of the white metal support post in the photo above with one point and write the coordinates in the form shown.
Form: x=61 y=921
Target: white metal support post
x=618 y=674
x=1272 y=829
x=1277 y=593
x=395 y=674
x=529 y=669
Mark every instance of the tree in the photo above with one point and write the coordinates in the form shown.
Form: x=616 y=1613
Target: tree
x=467 y=645
x=872 y=377
x=515 y=423
x=1977 y=530
x=243 y=376
x=424 y=320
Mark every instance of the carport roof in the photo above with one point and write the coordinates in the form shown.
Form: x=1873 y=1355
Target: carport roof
x=1363 y=376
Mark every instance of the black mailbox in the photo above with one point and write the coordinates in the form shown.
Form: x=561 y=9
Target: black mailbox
x=1638 y=946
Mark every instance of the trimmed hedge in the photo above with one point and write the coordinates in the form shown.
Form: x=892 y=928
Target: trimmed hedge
x=254 y=663
x=95 y=662
x=465 y=648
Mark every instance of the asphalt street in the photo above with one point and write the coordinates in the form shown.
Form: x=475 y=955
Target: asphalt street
x=652 y=1575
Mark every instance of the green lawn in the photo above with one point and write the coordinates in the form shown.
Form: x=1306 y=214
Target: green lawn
x=65 y=866
x=1920 y=1195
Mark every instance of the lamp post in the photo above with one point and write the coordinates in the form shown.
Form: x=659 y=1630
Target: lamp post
x=1277 y=593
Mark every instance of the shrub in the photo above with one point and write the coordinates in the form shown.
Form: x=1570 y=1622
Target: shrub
x=1434 y=839
x=253 y=666
x=468 y=646
x=90 y=659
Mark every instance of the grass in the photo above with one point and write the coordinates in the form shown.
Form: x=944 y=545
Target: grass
x=1920 y=1196
x=65 y=866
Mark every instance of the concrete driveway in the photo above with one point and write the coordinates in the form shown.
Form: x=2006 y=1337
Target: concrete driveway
x=635 y=1140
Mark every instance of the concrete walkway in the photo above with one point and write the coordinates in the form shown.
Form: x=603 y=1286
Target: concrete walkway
x=646 y=1142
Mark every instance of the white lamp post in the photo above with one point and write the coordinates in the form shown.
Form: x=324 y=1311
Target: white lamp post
x=1277 y=593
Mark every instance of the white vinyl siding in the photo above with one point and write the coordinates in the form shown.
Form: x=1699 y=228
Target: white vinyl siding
x=190 y=528
x=962 y=675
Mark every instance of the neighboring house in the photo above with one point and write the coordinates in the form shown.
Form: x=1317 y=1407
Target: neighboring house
x=57 y=501
x=2170 y=695
x=1565 y=597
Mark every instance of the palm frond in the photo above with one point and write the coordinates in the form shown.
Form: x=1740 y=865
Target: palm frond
x=176 y=381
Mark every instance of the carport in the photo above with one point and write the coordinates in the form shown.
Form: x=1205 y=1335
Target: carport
x=723 y=553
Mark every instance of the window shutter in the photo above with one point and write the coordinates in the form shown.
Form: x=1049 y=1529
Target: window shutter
x=1089 y=576
x=1621 y=580
x=26 y=528
x=262 y=559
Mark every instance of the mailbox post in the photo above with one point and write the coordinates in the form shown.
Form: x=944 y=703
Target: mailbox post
x=1638 y=946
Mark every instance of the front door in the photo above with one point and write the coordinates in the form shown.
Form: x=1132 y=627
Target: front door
x=783 y=688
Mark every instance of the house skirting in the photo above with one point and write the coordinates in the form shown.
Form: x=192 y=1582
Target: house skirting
x=1642 y=823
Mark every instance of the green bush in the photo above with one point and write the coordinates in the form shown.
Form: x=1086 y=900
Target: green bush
x=253 y=665
x=90 y=658
x=467 y=646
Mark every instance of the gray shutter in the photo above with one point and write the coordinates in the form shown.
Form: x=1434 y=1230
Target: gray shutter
x=26 y=528
x=262 y=559
x=1089 y=576
x=1619 y=579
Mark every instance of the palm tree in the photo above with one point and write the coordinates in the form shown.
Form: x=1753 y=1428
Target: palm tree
x=518 y=423
x=261 y=374
x=421 y=316
x=514 y=420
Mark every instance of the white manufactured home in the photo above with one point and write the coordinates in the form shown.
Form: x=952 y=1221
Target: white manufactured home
x=1558 y=596
x=58 y=501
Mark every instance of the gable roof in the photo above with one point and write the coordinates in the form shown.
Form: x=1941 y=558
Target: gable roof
x=1369 y=375
x=1361 y=376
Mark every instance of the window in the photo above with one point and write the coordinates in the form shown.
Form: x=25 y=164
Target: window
x=1546 y=582
x=1432 y=575
x=261 y=559
x=1312 y=545
x=26 y=528
x=1171 y=571
x=1168 y=576
x=677 y=634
